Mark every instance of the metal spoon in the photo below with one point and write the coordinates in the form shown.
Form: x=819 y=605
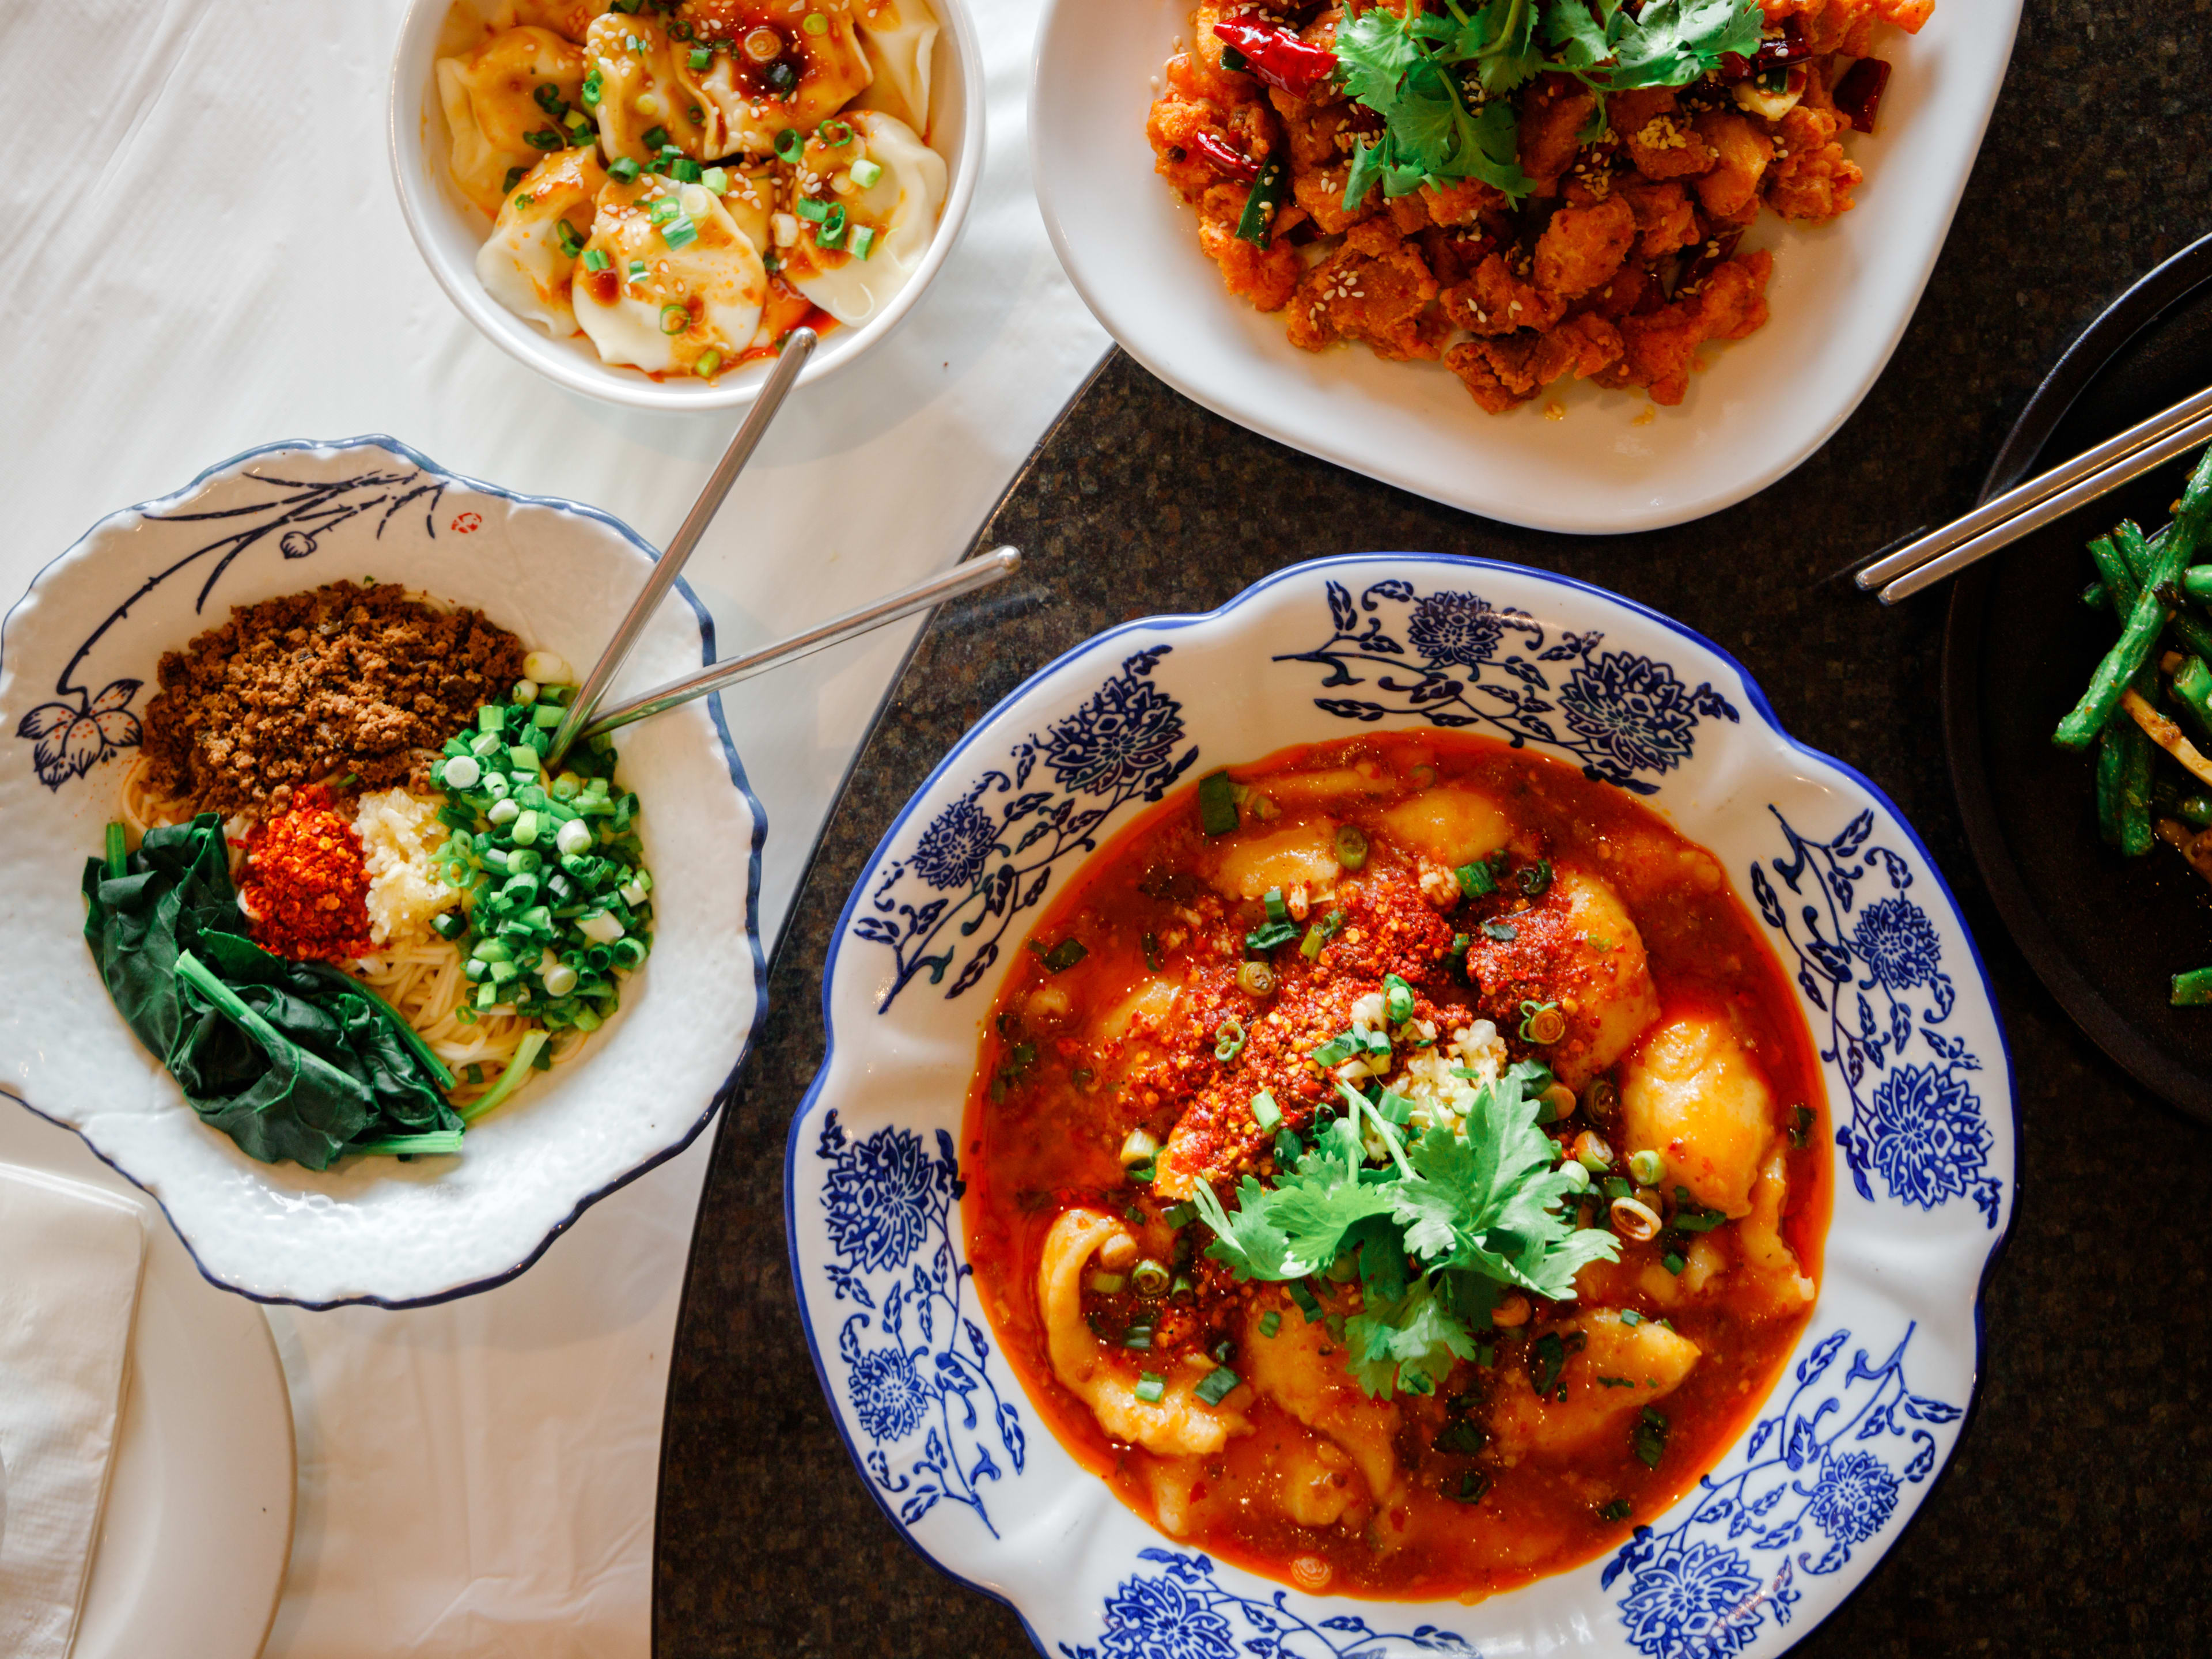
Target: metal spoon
x=796 y=350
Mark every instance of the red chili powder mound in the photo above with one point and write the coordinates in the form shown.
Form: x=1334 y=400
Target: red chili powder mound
x=306 y=886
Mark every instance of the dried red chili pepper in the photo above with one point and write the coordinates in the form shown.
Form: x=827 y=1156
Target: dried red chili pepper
x=1225 y=158
x=1276 y=55
x=1789 y=47
x=1717 y=252
x=1858 y=94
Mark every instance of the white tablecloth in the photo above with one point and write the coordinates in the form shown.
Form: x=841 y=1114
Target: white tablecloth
x=208 y=255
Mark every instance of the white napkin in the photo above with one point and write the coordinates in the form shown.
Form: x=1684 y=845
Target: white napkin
x=69 y=1261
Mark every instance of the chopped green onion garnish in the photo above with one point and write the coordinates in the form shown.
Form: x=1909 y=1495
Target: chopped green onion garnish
x=1277 y=910
x=865 y=172
x=674 y=319
x=701 y=58
x=1398 y=999
x=1475 y=879
x=546 y=138
x=835 y=134
x=594 y=86
x=565 y=234
x=710 y=362
x=1350 y=848
x=626 y=170
x=789 y=146
x=1228 y=1039
x=863 y=241
x=1270 y=1322
x=1217 y=1385
x=810 y=208
x=682 y=234
x=1150 y=1388
x=832 y=232
x=716 y=179
x=1061 y=957
x=1264 y=1112
x=1217 y=803
x=595 y=259
x=1650 y=1438
x=816 y=23
x=656 y=139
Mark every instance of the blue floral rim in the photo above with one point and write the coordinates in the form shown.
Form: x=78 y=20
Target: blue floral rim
x=1345 y=565
x=737 y=778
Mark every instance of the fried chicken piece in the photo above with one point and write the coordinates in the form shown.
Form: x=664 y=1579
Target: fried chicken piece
x=1503 y=372
x=1730 y=191
x=1375 y=289
x=1494 y=301
x=1660 y=140
x=1554 y=112
x=1583 y=245
x=1664 y=217
x=1463 y=202
x=1194 y=100
x=1320 y=135
x=1811 y=180
x=1659 y=347
x=1266 y=277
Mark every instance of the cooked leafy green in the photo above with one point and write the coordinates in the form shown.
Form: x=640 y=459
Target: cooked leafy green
x=1442 y=79
x=1456 y=1218
x=293 y=1061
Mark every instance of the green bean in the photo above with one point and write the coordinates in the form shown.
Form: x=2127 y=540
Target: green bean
x=2118 y=580
x=2112 y=766
x=2192 y=989
x=2195 y=810
x=2096 y=598
x=2146 y=620
x=2136 y=750
x=2169 y=554
x=2138 y=553
x=2192 y=688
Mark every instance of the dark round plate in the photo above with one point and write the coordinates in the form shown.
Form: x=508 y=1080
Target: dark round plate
x=2105 y=933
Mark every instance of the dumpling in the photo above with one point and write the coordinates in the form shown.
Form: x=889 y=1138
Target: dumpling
x=643 y=82
x=680 y=281
x=1178 y=1424
x=1640 y=1363
x=751 y=200
x=898 y=37
x=1304 y=852
x=819 y=73
x=1692 y=1094
x=490 y=97
x=568 y=17
x=1453 y=826
x=528 y=263
x=887 y=225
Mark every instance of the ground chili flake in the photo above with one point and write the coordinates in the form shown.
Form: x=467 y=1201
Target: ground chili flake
x=307 y=887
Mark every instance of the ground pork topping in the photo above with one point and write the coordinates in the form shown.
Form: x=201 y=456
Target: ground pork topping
x=346 y=679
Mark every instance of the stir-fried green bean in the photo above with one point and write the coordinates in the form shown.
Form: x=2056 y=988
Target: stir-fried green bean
x=2169 y=554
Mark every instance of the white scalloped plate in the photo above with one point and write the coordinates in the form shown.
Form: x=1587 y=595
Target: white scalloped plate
x=1919 y=1084
x=1841 y=296
x=85 y=640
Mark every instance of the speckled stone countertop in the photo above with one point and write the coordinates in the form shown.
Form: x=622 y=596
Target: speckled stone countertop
x=2075 y=1515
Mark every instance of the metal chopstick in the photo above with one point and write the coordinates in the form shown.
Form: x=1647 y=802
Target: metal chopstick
x=966 y=578
x=796 y=350
x=2050 y=509
x=2099 y=463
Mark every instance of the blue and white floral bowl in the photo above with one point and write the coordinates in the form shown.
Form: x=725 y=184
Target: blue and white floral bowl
x=78 y=655
x=1920 y=1091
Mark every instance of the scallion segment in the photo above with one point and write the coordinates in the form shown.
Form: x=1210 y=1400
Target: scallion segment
x=1217 y=803
x=789 y=145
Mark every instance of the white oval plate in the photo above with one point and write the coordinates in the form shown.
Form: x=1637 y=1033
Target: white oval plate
x=77 y=660
x=196 y=1531
x=1841 y=296
x=1919 y=1086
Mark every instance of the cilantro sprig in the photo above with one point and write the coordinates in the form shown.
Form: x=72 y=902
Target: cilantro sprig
x=1455 y=1220
x=1441 y=80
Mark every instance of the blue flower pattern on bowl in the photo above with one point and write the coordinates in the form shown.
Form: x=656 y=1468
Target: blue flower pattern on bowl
x=1182 y=1612
x=1876 y=981
x=1619 y=714
x=885 y=1198
x=1816 y=1485
x=72 y=736
x=988 y=857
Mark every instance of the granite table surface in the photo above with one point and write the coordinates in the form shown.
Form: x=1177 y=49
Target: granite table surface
x=2074 y=1516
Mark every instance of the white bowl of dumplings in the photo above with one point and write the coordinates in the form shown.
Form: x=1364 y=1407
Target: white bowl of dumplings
x=641 y=198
